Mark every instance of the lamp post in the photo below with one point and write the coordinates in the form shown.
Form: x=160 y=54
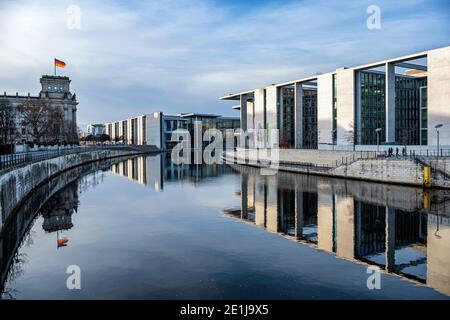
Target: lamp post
x=437 y=134
x=378 y=130
x=332 y=137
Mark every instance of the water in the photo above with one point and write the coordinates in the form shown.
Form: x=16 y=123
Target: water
x=144 y=228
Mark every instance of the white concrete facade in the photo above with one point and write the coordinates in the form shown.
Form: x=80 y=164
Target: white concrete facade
x=266 y=102
x=133 y=131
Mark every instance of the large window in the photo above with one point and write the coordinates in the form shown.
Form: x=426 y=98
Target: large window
x=287 y=137
x=309 y=119
x=408 y=109
x=373 y=114
x=423 y=116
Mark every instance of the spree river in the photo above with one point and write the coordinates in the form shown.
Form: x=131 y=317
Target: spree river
x=144 y=228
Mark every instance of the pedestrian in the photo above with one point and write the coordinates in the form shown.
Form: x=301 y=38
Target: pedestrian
x=403 y=151
x=396 y=152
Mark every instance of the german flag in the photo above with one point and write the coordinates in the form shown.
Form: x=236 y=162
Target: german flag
x=59 y=63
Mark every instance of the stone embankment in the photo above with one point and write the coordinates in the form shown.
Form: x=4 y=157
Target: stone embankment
x=368 y=166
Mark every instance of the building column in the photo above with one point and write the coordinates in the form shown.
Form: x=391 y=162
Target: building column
x=357 y=126
x=243 y=111
x=299 y=217
x=438 y=95
x=345 y=86
x=390 y=239
x=280 y=113
x=298 y=105
x=244 y=195
x=325 y=109
x=390 y=102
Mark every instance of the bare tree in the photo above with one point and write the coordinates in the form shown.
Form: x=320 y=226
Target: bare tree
x=36 y=114
x=71 y=132
x=55 y=126
x=7 y=121
x=350 y=135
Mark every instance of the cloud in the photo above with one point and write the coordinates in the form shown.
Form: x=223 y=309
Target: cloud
x=136 y=57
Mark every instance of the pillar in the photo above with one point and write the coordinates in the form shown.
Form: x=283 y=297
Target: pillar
x=299 y=217
x=390 y=239
x=438 y=95
x=357 y=126
x=243 y=111
x=298 y=101
x=345 y=87
x=390 y=102
x=244 y=195
x=325 y=109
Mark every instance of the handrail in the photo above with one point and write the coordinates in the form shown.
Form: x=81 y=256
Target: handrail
x=17 y=159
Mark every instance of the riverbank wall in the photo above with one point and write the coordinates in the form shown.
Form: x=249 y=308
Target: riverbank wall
x=349 y=165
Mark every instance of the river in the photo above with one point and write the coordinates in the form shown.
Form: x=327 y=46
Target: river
x=144 y=228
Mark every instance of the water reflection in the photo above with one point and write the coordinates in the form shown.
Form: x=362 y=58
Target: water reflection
x=403 y=230
x=154 y=171
x=56 y=202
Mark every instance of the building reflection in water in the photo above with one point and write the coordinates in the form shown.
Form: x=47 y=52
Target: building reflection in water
x=154 y=171
x=55 y=202
x=58 y=212
x=400 y=229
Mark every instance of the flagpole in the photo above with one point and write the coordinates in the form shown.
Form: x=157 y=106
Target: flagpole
x=54 y=64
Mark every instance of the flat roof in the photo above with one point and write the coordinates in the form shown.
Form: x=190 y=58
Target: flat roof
x=418 y=55
x=198 y=115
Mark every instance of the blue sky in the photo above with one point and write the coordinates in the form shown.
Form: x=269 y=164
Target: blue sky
x=135 y=57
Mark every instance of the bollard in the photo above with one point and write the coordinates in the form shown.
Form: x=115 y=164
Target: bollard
x=426 y=176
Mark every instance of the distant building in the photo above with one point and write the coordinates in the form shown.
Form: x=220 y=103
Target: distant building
x=157 y=128
x=96 y=129
x=57 y=90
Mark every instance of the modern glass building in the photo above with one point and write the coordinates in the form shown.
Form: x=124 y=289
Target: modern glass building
x=157 y=128
x=402 y=97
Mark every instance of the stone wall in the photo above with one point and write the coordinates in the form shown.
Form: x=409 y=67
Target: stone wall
x=386 y=170
x=17 y=184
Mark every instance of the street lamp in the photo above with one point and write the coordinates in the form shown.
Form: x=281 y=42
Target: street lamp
x=437 y=133
x=332 y=137
x=378 y=130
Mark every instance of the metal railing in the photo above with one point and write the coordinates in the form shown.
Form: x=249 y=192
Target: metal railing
x=18 y=159
x=428 y=154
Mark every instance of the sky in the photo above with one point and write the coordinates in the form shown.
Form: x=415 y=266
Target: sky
x=127 y=58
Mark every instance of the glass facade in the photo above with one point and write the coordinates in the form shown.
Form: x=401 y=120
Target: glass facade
x=373 y=113
x=423 y=116
x=407 y=109
x=408 y=112
x=287 y=135
x=144 y=130
x=309 y=119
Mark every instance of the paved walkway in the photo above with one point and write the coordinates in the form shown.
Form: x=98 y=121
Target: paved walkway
x=306 y=156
